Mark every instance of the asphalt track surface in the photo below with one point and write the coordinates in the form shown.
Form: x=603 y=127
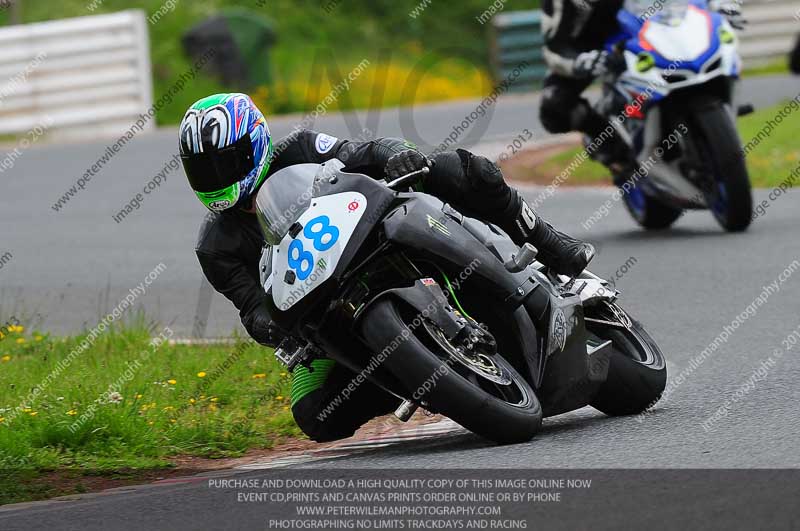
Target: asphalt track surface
x=686 y=285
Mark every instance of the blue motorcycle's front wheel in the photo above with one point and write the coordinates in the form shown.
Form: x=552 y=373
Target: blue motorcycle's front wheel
x=729 y=195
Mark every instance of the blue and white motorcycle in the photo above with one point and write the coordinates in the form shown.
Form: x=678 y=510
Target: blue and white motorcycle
x=674 y=105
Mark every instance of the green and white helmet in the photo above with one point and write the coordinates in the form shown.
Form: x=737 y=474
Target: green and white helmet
x=226 y=149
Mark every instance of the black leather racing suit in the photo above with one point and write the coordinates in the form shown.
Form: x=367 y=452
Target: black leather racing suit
x=571 y=27
x=230 y=243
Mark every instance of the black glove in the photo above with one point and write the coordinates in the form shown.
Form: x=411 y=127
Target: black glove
x=261 y=328
x=732 y=10
x=596 y=63
x=406 y=162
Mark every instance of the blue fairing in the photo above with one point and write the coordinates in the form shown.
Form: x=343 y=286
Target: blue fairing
x=631 y=26
x=629 y=23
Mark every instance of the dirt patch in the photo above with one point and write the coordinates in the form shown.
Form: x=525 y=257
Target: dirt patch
x=378 y=427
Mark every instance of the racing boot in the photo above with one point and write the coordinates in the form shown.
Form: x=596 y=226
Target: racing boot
x=562 y=253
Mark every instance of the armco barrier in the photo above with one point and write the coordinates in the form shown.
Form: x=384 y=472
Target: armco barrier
x=88 y=76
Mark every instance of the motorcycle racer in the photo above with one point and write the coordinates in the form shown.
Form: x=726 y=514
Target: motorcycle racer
x=228 y=152
x=575 y=33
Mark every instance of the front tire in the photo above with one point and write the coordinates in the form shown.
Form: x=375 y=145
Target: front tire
x=729 y=195
x=449 y=390
x=637 y=370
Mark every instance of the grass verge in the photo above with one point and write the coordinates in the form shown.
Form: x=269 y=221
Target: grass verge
x=126 y=408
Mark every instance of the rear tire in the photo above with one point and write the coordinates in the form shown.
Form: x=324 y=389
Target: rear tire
x=649 y=212
x=451 y=394
x=637 y=370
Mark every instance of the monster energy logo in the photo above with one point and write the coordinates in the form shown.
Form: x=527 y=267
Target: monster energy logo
x=438 y=225
x=322 y=264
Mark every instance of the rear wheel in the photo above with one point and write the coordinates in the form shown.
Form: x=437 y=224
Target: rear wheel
x=649 y=212
x=479 y=390
x=637 y=371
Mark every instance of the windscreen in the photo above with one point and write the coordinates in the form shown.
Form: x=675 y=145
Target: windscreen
x=283 y=198
x=663 y=11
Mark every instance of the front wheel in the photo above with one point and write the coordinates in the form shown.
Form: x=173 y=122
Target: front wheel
x=728 y=192
x=637 y=370
x=480 y=391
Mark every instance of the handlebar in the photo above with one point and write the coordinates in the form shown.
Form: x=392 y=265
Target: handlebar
x=407 y=181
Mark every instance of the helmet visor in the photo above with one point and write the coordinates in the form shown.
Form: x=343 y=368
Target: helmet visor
x=219 y=169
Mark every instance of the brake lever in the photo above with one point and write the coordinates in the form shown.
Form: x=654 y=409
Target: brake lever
x=407 y=181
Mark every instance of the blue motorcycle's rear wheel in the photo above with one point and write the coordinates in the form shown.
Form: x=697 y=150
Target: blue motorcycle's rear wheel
x=649 y=212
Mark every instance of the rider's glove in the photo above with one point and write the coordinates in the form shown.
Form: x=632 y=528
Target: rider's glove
x=596 y=63
x=406 y=162
x=732 y=10
x=261 y=328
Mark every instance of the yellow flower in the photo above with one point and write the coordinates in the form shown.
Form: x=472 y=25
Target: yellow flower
x=2 y=419
x=6 y=358
x=259 y=375
x=202 y=397
x=26 y=410
x=173 y=421
x=72 y=412
x=283 y=374
x=214 y=399
x=201 y=374
x=168 y=408
x=172 y=381
x=20 y=340
x=138 y=397
x=150 y=423
x=212 y=407
x=38 y=338
x=34 y=413
x=192 y=400
x=285 y=408
x=279 y=397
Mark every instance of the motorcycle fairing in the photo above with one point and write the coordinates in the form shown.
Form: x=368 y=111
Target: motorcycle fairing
x=373 y=199
x=428 y=301
x=308 y=256
x=678 y=62
x=421 y=225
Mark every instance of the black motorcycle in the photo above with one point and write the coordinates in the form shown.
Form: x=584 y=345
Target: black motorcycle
x=441 y=310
